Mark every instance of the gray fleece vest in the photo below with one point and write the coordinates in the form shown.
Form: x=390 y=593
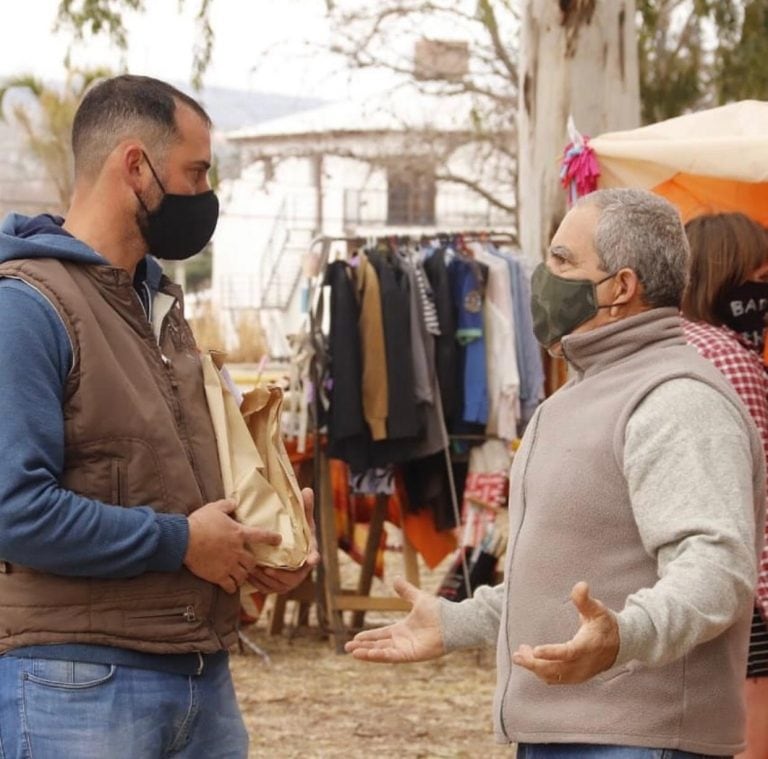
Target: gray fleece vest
x=571 y=519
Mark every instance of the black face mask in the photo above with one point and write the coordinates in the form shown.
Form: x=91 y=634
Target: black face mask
x=743 y=309
x=181 y=225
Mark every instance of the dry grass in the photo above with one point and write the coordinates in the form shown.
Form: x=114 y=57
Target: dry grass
x=311 y=702
x=249 y=343
x=207 y=328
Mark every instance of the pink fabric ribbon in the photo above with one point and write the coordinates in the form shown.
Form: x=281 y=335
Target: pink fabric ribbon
x=579 y=170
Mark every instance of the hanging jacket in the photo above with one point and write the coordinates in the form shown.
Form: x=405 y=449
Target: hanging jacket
x=403 y=417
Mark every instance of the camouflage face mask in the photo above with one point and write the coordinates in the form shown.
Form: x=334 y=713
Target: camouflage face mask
x=559 y=305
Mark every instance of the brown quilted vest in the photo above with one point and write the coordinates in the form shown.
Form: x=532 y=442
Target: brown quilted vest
x=137 y=433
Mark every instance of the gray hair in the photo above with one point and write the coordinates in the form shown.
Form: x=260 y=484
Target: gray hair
x=639 y=230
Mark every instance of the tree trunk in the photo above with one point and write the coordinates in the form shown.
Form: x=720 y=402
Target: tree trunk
x=577 y=57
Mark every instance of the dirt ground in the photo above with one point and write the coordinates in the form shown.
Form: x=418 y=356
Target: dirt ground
x=308 y=701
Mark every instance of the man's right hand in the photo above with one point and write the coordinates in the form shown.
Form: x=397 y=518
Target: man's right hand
x=218 y=545
x=418 y=637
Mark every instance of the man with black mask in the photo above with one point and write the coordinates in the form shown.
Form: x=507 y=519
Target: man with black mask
x=120 y=561
x=638 y=495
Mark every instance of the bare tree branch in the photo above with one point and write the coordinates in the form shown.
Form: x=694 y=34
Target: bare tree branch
x=475 y=186
x=489 y=20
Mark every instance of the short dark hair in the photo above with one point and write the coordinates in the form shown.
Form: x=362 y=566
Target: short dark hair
x=126 y=106
x=725 y=249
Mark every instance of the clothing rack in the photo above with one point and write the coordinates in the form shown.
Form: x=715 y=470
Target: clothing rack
x=332 y=598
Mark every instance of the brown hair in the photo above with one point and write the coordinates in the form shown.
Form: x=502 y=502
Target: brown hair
x=725 y=249
x=126 y=106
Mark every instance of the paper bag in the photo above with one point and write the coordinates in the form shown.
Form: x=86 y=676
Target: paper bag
x=255 y=468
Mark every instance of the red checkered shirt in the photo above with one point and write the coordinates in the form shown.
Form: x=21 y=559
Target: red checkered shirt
x=744 y=370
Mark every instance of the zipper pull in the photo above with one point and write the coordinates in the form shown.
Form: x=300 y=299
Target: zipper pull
x=189 y=614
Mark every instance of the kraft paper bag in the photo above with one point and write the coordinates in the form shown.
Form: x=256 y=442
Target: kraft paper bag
x=255 y=468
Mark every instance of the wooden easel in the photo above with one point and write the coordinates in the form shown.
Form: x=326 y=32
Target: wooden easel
x=338 y=599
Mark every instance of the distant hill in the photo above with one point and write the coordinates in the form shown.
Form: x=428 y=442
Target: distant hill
x=234 y=109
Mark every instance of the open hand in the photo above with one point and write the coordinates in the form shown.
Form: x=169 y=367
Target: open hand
x=269 y=580
x=592 y=650
x=418 y=637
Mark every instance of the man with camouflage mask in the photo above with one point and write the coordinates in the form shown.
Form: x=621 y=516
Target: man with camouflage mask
x=639 y=483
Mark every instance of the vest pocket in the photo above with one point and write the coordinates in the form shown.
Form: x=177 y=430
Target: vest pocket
x=116 y=479
x=167 y=618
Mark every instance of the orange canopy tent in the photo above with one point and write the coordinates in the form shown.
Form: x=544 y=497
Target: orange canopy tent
x=706 y=162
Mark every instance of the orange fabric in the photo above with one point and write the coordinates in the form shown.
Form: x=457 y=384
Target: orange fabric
x=419 y=529
x=434 y=546
x=292 y=445
x=353 y=510
x=697 y=195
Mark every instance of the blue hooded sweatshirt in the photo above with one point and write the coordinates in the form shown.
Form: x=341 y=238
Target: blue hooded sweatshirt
x=43 y=525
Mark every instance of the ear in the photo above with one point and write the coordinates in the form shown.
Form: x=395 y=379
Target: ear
x=133 y=165
x=627 y=287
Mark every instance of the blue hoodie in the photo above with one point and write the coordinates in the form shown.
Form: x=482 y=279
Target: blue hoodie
x=43 y=525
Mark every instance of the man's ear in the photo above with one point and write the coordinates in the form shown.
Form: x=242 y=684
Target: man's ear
x=627 y=287
x=133 y=165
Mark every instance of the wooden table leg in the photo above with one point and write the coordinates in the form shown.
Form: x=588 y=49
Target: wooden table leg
x=411 y=562
x=375 y=529
x=329 y=550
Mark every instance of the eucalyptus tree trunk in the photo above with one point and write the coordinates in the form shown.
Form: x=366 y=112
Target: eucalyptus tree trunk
x=579 y=58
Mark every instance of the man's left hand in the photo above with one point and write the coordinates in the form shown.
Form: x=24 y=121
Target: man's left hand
x=269 y=580
x=592 y=650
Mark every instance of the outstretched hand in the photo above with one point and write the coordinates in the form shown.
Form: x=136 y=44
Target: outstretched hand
x=418 y=637
x=592 y=650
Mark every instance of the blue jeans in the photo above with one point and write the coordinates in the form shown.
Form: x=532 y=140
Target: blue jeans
x=54 y=709
x=594 y=751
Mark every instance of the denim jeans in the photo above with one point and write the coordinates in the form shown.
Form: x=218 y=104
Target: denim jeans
x=594 y=751
x=54 y=709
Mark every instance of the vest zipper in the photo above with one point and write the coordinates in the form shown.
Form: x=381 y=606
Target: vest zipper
x=511 y=548
x=168 y=368
x=117 y=485
x=189 y=614
x=178 y=413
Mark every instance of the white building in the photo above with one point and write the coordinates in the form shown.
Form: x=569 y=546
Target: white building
x=401 y=162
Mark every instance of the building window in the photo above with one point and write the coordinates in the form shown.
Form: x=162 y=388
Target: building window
x=411 y=196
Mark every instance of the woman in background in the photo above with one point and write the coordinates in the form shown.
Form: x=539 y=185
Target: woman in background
x=723 y=309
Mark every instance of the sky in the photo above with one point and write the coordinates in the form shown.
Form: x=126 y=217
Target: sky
x=261 y=45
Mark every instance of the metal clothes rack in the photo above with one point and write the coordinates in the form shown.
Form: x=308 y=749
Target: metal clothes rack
x=333 y=600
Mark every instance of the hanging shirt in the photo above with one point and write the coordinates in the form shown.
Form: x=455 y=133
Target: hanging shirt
x=426 y=300
x=347 y=430
x=501 y=358
x=446 y=348
x=467 y=286
x=532 y=372
x=434 y=437
x=372 y=347
x=403 y=418
x=527 y=348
